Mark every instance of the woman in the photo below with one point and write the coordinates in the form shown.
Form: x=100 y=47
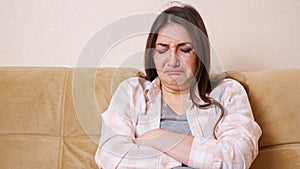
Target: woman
x=178 y=116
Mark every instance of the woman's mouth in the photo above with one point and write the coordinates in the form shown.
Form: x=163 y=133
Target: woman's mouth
x=174 y=72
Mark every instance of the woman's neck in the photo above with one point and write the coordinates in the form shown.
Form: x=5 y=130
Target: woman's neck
x=176 y=99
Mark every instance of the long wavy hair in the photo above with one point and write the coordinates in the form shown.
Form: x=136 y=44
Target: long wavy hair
x=190 y=19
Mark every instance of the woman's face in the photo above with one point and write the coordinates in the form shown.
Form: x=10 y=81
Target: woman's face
x=174 y=57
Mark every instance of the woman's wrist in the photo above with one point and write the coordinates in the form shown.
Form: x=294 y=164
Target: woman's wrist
x=160 y=139
x=150 y=138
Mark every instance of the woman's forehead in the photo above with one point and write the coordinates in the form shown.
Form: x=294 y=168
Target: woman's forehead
x=173 y=33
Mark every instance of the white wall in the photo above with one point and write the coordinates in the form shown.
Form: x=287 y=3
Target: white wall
x=246 y=35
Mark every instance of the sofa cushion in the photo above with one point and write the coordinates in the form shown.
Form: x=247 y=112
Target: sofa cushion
x=31 y=106
x=29 y=152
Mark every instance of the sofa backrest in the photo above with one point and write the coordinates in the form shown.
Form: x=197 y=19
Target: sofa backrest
x=39 y=127
x=50 y=117
x=31 y=117
x=275 y=101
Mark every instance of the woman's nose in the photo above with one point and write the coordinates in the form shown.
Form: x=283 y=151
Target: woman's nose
x=173 y=58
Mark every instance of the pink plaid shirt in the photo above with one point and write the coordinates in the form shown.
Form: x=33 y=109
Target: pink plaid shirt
x=136 y=108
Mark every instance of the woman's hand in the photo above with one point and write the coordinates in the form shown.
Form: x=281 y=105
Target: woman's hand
x=150 y=138
x=174 y=144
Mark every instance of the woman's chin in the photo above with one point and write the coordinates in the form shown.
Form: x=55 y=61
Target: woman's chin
x=177 y=84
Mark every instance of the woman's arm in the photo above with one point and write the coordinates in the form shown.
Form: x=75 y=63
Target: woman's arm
x=173 y=144
x=236 y=145
x=117 y=148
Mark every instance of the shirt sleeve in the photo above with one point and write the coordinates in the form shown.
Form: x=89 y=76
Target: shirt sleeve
x=116 y=147
x=237 y=134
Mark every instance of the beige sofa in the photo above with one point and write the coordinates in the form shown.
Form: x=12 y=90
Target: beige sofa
x=49 y=117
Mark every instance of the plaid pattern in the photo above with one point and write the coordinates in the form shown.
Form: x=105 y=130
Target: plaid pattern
x=136 y=108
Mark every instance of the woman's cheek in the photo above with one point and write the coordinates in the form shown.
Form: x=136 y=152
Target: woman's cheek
x=159 y=63
x=190 y=63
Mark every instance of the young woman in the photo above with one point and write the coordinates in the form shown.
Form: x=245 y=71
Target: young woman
x=178 y=116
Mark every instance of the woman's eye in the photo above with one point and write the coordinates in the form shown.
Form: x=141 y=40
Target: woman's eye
x=186 y=50
x=161 y=51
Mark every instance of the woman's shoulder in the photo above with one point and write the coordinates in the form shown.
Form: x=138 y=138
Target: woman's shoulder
x=229 y=82
x=227 y=87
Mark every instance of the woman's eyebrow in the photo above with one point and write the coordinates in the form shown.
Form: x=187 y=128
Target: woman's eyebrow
x=162 y=44
x=178 y=45
x=184 y=43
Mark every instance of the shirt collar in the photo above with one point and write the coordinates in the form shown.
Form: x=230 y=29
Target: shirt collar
x=152 y=89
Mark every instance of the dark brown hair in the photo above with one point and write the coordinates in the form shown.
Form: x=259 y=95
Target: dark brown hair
x=190 y=19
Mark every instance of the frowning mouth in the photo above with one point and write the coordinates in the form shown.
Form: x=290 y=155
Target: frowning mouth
x=174 y=72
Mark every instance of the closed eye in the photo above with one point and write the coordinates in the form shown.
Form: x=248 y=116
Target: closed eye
x=161 y=51
x=187 y=50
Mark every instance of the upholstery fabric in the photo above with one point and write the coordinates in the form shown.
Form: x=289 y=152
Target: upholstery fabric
x=30 y=117
x=49 y=116
x=274 y=97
